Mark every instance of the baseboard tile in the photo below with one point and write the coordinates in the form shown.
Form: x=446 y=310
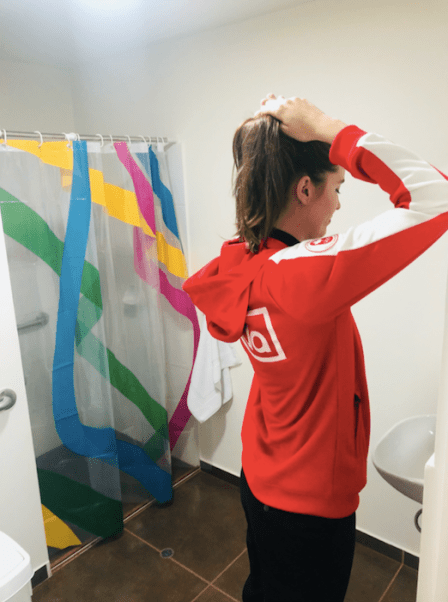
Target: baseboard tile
x=39 y=576
x=221 y=474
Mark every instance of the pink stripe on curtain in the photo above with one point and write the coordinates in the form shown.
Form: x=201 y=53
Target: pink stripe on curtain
x=181 y=302
x=143 y=190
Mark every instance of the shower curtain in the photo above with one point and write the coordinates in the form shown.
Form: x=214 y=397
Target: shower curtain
x=95 y=256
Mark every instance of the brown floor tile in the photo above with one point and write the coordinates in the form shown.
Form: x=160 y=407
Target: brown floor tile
x=179 y=470
x=371 y=575
x=213 y=595
x=121 y=570
x=232 y=581
x=205 y=526
x=404 y=588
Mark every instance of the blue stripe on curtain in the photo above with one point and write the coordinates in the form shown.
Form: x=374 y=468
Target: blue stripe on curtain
x=79 y=438
x=166 y=200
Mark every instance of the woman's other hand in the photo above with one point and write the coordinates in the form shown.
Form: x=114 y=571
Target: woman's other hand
x=300 y=119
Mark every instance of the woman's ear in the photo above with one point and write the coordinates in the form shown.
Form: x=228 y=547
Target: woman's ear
x=303 y=190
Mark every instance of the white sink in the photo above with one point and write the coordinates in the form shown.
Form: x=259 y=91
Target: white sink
x=402 y=453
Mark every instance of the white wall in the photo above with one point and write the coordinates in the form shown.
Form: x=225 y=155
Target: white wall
x=380 y=65
x=35 y=97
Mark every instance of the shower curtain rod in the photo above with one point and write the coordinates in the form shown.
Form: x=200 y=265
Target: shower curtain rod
x=89 y=137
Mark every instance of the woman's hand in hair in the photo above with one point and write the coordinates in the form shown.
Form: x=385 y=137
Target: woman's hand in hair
x=300 y=119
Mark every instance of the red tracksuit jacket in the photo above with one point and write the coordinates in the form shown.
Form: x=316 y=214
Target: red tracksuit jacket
x=306 y=427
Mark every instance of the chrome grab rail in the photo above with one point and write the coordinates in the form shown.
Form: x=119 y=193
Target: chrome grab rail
x=7 y=399
x=40 y=320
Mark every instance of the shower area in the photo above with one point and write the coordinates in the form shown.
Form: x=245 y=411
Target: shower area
x=107 y=336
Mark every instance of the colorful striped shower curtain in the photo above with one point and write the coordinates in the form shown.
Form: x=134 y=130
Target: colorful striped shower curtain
x=95 y=259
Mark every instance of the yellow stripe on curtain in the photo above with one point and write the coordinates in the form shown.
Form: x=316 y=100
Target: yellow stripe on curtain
x=120 y=203
x=171 y=257
x=52 y=153
x=57 y=534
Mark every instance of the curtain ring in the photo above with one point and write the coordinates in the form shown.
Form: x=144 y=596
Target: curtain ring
x=129 y=138
x=111 y=139
x=144 y=139
x=102 y=140
x=41 y=139
x=68 y=140
x=5 y=139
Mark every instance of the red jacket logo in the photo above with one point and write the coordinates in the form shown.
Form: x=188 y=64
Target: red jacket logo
x=260 y=339
x=321 y=244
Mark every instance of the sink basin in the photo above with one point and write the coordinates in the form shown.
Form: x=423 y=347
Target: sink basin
x=402 y=453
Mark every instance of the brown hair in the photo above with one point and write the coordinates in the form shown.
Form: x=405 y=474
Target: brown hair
x=267 y=163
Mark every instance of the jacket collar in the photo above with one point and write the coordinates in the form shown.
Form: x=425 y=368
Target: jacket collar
x=284 y=237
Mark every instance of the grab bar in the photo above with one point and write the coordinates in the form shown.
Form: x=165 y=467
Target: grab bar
x=40 y=320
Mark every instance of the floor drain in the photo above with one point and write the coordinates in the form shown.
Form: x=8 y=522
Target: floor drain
x=167 y=553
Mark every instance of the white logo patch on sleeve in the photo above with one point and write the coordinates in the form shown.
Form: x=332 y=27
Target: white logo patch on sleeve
x=259 y=337
x=320 y=245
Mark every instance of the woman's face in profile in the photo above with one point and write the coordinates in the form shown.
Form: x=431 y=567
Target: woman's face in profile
x=326 y=202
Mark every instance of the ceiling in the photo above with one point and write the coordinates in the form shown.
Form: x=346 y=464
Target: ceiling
x=73 y=31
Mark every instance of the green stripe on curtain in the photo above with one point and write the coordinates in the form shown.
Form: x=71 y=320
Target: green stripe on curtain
x=29 y=229
x=80 y=505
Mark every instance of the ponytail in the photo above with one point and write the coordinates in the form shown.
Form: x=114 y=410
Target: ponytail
x=267 y=163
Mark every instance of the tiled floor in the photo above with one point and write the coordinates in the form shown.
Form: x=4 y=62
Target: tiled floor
x=205 y=528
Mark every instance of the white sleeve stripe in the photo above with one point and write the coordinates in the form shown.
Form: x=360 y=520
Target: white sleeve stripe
x=384 y=225
x=427 y=188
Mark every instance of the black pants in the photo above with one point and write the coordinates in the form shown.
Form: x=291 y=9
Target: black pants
x=296 y=557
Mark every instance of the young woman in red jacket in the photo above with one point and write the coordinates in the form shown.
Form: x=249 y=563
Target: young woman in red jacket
x=285 y=289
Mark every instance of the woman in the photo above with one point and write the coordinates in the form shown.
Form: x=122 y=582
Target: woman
x=286 y=290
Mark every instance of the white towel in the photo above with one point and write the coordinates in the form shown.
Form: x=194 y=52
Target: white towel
x=211 y=385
